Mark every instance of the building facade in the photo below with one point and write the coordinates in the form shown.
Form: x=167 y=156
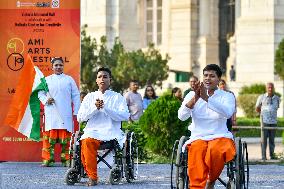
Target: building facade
x=242 y=33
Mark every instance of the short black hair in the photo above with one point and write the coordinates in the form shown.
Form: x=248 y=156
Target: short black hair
x=105 y=70
x=56 y=58
x=213 y=67
x=133 y=81
x=174 y=90
x=83 y=93
x=222 y=81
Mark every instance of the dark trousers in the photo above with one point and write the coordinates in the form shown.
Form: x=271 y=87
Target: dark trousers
x=270 y=134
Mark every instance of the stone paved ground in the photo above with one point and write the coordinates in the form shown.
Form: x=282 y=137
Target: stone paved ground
x=152 y=176
x=254 y=148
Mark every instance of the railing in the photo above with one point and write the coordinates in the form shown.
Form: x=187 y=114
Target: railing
x=262 y=128
x=258 y=127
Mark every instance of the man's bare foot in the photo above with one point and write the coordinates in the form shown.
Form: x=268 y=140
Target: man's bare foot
x=91 y=182
x=210 y=185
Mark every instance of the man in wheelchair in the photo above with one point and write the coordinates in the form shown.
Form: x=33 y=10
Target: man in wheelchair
x=211 y=145
x=103 y=110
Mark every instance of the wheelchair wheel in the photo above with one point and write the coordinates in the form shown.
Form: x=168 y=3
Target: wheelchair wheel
x=72 y=176
x=246 y=164
x=75 y=162
x=242 y=168
x=115 y=175
x=130 y=152
x=181 y=178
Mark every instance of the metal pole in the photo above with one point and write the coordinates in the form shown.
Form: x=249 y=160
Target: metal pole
x=263 y=151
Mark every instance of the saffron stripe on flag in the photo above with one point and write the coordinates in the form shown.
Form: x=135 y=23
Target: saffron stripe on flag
x=25 y=116
x=21 y=97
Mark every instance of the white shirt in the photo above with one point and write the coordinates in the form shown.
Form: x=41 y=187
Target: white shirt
x=63 y=89
x=208 y=118
x=104 y=124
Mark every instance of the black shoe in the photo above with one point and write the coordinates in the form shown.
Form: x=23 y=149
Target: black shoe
x=273 y=157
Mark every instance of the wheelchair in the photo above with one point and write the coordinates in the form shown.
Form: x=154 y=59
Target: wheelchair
x=125 y=160
x=237 y=169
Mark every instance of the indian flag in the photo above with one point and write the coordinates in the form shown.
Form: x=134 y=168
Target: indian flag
x=24 y=110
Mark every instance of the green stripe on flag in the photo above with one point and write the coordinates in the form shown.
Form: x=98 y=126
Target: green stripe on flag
x=35 y=109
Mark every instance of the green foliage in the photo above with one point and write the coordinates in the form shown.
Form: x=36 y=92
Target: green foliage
x=161 y=124
x=145 y=66
x=88 y=60
x=134 y=127
x=279 y=60
x=247 y=103
x=253 y=89
x=243 y=121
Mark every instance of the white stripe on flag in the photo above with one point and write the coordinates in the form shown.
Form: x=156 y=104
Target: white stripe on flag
x=25 y=126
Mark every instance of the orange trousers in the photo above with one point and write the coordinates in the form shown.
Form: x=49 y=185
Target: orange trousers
x=50 y=138
x=89 y=153
x=206 y=160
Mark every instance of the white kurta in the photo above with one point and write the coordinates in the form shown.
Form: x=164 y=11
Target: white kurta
x=64 y=91
x=208 y=118
x=104 y=124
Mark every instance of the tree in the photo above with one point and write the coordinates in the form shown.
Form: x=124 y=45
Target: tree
x=88 y=60
x=279 y=60
x=146 y=67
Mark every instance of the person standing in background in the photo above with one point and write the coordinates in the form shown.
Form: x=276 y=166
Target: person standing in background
x=57 y=103
x=134 y=101
x=192 y=80
x=149 y=96
x=232 y=73
x=176 y=92
x=267 y=105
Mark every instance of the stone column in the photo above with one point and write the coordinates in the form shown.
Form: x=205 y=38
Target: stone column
x=112 y=21
x=208 y=33
x=231 y=60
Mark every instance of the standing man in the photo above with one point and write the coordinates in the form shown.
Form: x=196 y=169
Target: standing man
x=192 y=80
x=57 y=103
x=232 y=73
x=104 y=110
x=211 y=145
x=134 y=101
x=267 y=105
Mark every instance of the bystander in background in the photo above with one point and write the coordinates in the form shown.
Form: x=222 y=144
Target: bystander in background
x=134 y=101
x=176 y=92
x=149 y=96
x=192 y=80
x=267 y=105
x=232 y=73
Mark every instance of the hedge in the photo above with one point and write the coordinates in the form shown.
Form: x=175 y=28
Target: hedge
x=161 y=125
x=242 y=121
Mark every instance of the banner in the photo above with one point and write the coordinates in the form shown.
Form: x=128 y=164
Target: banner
x=43 y=29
